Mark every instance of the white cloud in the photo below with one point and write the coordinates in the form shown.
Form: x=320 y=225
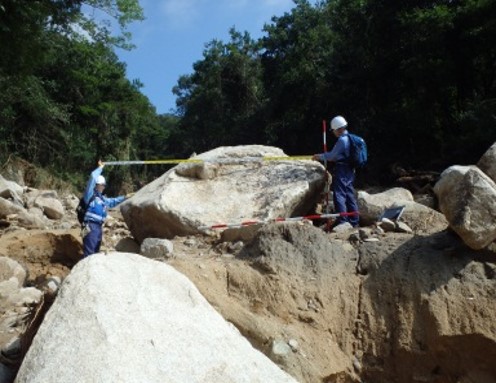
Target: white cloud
x=259 y=5
x=280 y=4
x=181 y=13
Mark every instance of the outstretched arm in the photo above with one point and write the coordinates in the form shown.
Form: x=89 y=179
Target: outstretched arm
x=90 y=186
x=113 y=202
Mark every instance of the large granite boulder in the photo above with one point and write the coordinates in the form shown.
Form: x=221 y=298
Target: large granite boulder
x=371 y=206
x=11 y=190
x=125 y=318
x=420 y=218
x=233 y=184
x=467 y=197
x=487 y=163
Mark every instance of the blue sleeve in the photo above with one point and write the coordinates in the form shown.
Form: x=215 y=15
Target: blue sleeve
x=339 y=152
x=90 y=186
x=113 y=202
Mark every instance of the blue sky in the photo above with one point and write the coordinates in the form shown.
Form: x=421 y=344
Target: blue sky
x=174 y=33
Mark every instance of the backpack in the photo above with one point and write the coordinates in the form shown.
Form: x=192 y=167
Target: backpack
x=358 y=151
x=82 y=207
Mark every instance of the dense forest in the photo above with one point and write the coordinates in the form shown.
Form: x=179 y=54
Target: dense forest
x=416 y=79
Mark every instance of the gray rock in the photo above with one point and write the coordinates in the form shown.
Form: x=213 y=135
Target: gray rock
x=190 y=242
x=10 y=268
x=387 y=225
x=26 y=296
x=342 y=228
x=235 y=247
x=402 y=227
x=372 y=239
x=11 y=190
x=156 y=248
x=50 y=205
x=280 y=348
x=419 y=217
x=293 y=343
x=467 y=197
x=487 y=163
x=371 y=206
x=24 y=219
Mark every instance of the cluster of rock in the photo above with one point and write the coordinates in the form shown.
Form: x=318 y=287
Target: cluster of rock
x=155 y=301
x=467 y=197
x=30 y=208
x=17 y=306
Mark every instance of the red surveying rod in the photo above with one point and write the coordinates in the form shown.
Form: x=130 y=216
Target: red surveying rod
x=327 y=186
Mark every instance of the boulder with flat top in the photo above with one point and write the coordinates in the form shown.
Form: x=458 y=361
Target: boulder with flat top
x=227 y=185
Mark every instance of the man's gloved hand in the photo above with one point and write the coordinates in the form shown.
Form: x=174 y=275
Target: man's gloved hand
x=129 y=195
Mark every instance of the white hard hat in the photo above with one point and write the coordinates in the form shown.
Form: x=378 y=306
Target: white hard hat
x=338 y=122
x=100 y=180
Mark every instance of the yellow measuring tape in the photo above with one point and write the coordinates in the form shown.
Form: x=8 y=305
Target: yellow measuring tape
x=215 y=160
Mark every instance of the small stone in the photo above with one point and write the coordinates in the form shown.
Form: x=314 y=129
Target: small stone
x=402 y=227
x=378 y=230
x=190 y=242
x=372 y=240
x=356 y=364
x=342 y=228
x=235 y=247
x=27 y=296
x=280 y=348
x=52 y=286
x=387 y=225
x=293 y=343
x=363 y=234
x=157 y=248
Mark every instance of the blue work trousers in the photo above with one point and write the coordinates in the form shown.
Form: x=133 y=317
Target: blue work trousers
x=344 y=194
x=93 y=240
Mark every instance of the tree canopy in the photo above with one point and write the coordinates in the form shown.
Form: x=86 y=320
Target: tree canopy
x=417 y=79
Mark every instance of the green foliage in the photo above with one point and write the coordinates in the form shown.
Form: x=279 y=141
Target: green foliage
x=75 y=105
x=415 y=78
x=220 y=102
x=296 y=53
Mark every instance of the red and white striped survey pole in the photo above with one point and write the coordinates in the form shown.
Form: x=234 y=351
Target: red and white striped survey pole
x=326 y=189
x=324 y=134
x=291 y=219
x=327 y=186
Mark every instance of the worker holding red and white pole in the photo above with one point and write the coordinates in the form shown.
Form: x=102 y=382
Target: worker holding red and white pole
x=343 y=174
